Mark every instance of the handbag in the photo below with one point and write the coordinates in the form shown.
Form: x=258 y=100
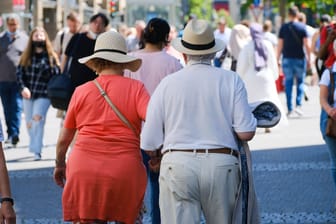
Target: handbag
x=60 y=87
x=331 y=123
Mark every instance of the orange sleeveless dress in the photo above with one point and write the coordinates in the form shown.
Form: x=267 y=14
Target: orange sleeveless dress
x=105 y=175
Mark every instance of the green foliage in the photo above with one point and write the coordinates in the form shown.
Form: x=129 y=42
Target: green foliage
x=223 y=13
x=315 y=6
x=201 y=8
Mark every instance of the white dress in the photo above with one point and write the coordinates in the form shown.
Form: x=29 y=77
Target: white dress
x=260 y=85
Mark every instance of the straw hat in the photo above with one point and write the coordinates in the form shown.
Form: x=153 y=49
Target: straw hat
x=198 y=39
x=111 y=46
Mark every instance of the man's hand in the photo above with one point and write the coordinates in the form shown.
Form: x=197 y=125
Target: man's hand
x=154 y=164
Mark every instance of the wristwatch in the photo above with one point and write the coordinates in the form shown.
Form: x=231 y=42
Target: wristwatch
x=11 y=200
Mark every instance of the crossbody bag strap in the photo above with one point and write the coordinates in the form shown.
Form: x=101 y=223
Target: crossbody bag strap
x=114 y=108
x=332 y=88
x=297 y=39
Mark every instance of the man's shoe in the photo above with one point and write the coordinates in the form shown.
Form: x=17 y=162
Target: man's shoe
x=15 y=140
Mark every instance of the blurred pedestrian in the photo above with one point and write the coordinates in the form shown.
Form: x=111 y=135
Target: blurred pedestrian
x=111 y=183
x=293 y=47
x=65 y=34
x=81 y=45
x=38 y=63
x=240 y=35
x=62 y=39
x=156 y=64
x=13 y=41
x=123 y=29
x=7 y=212
x=268 y=34
x=328 y=110
x=197 y=129
x=134 y=40
x=258 y=68
x=318 y=40
x=172 y=51
x=223 y=32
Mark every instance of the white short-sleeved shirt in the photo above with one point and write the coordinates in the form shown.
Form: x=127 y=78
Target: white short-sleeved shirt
x=67 y=35
x=325 y=80
x=1 y=133
x=197 y=107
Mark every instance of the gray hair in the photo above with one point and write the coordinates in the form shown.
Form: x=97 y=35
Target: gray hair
x=201 y=58
x=12 y=16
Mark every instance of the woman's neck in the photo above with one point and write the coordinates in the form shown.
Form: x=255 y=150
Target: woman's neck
x=39 y=50
x=112 y=71
x=153 y=47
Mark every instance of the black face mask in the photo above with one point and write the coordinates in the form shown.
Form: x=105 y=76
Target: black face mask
x=40 y=44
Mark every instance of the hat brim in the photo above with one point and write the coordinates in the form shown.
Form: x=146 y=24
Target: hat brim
x=131 y=63
x=177 y=44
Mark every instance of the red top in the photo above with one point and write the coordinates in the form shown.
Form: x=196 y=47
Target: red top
x=331 y=56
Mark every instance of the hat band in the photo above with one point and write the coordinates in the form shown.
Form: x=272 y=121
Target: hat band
x=198 y=46
x=110 y=50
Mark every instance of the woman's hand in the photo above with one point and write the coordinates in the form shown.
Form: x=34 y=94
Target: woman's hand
x=26 y=93
x=59 y=176
x=8 y=215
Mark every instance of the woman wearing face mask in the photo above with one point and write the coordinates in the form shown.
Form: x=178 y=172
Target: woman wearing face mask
x=82 y=45
x=38 y=63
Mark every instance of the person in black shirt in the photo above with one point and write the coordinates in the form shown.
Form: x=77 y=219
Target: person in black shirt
x=81 y=45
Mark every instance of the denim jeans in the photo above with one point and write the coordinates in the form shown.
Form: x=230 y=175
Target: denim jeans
x=331 y=143
x=294 y=69
x=35 y=107
x=12 y=106
x=153 y=191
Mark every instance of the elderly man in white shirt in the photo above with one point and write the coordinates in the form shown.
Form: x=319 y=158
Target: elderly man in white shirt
x=198 y=115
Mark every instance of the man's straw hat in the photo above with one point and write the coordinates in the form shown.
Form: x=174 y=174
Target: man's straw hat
x=111 y=46
x=198 y=39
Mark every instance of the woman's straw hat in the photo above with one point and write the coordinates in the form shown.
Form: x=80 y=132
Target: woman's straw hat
x=198 y=39
x=111 y=46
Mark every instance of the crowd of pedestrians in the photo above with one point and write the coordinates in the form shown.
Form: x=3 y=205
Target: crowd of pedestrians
x=166 y=131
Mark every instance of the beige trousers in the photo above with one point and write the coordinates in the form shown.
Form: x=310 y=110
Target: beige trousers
x=194 y=182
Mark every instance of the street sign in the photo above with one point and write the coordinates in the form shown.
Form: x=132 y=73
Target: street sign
x=19 y=5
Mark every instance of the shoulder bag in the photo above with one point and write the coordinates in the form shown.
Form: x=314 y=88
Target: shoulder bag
x=331 y=123
x=60 y=87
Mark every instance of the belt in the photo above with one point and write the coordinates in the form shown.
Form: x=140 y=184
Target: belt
x=229 y=151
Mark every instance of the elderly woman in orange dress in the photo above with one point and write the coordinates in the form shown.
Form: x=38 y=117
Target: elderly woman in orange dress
x=104 y=178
